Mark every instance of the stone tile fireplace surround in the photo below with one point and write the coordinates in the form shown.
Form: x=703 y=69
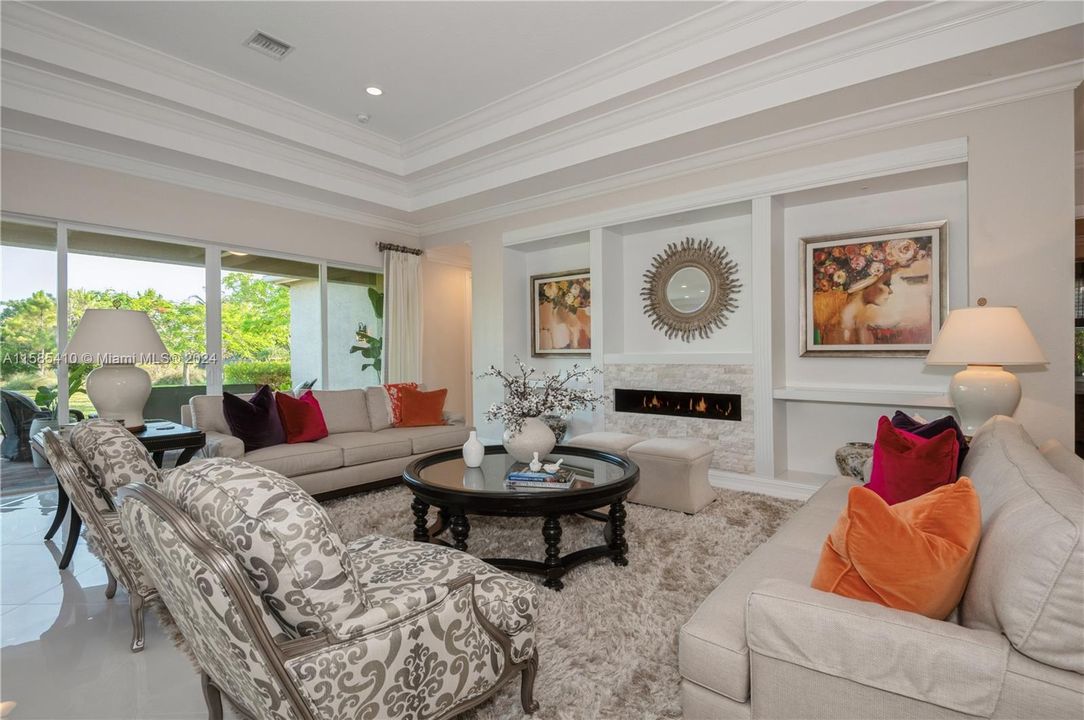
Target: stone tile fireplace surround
x=732 y=441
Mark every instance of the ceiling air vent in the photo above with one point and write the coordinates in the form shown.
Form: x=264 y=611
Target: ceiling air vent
x=261 y=42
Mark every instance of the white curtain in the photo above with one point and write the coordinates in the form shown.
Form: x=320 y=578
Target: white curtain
x=402 y=317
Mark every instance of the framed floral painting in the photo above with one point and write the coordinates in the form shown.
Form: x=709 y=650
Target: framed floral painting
x=561 y=314
x=873 y=293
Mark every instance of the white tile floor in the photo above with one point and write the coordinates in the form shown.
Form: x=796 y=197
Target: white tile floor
x=64 y=647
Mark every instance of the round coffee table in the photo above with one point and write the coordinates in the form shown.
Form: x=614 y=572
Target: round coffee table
x=444 y=481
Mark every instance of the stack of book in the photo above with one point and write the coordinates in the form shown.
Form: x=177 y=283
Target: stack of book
x=524 y=478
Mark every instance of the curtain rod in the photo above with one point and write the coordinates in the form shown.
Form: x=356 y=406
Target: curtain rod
x=384 y=247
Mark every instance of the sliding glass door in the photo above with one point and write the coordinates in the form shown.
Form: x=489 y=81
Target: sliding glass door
x=228 y=317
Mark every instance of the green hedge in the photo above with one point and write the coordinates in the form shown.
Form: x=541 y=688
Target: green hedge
x=263 y=372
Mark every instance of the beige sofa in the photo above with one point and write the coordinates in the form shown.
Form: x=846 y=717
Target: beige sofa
x=351 y=456
x=766 y=645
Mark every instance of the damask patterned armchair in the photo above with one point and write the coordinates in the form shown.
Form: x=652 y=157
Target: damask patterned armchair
x=100 y=458
x=290 y=623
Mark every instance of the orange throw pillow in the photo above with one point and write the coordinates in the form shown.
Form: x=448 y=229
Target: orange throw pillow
x=421 y=408
x=915 y=555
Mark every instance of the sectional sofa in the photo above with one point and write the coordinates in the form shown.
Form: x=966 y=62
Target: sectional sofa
x=353 y=456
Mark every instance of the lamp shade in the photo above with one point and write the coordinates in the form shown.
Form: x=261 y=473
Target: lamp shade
x=110 y=337
x=985 y=336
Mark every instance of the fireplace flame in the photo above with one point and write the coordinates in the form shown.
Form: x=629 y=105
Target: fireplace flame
x=701 y=406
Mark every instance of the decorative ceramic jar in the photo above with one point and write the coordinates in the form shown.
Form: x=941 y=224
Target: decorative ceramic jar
x=473 y=451
x=534 y=437
x=851 y=457
x=558 y=425
x=36 y=426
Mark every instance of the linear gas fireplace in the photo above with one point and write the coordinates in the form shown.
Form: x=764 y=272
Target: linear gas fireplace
x=712 y=406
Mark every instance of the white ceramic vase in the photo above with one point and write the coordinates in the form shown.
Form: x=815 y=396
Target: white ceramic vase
x=473 y=451
x=36 y=426
x=535 y=437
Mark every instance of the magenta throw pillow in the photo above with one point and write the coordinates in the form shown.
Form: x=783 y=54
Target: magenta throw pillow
x=906 y=465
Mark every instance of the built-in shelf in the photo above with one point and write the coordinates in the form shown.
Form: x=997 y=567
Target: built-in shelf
x=846 y=395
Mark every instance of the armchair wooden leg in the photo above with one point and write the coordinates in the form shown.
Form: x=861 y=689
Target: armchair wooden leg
x=111 y=588
x=136 y=609
x=527 y=684
x=212 y=697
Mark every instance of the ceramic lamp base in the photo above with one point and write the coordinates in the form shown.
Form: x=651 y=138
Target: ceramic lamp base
x=119 y=392
x=982 y=391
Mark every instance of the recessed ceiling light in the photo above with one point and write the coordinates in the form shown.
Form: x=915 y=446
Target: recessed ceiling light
x=374 y=90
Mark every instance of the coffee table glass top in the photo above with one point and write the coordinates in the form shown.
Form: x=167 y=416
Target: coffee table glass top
x=451 y=473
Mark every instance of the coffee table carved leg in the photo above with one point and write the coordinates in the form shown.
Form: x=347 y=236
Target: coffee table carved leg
x=460 y=531
x=551 y=532
x=618 y=545
x=421 y=529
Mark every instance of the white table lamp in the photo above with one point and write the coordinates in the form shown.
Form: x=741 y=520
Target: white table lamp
x=985 y=339
x=117 y=340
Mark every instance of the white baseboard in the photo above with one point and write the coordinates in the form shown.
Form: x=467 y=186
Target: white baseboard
x=765 y=485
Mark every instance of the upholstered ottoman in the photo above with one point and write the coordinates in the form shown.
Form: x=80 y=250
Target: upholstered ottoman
x=614 y=443
x=673 y=474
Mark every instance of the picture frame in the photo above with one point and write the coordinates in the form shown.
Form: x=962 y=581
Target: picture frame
x=881 y=292
x=560 y=305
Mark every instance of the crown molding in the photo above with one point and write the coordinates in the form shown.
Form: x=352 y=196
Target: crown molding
x=892 y=162
x=67 y=100
x=67 y=43
x=920 y=36
x=445 y=255
x=983 y=95
x=695 y=41
x=104 y=160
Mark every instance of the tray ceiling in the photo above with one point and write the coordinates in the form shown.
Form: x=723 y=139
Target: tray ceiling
x=491 y=108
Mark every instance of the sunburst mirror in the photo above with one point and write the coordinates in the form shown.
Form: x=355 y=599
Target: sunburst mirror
x=690 y=289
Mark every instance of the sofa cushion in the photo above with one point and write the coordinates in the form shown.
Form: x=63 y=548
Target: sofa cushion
x=712 y=650
x=933 y=428
x=1063 y=460
x=915 y=555
x=1028 y=579
x=112 y=454
x=391 y=568
x=279 y=534
x=421 y=409
x=256 y=420
x=207 y=415
x=298 y=459
x=302 y=419
x=429 y=439
x=344 y=410
x=906 y=466
x=366 y=447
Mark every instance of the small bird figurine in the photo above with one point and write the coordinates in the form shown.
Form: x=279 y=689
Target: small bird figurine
x=552 y=468
x=536 y=464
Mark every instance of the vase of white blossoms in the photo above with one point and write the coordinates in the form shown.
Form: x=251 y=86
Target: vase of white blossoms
x=530 y=394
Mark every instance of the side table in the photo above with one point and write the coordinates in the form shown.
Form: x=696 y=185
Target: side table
x=158 y=436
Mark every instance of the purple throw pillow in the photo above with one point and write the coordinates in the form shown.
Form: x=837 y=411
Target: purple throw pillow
x=256 y=420
x=932 y=429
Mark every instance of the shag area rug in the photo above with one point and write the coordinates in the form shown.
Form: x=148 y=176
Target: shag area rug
x=607 y=643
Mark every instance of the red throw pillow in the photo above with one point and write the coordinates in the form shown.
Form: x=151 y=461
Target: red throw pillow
x=395 y=400
x=302 y=418
x=421 y=408
x=906 y=466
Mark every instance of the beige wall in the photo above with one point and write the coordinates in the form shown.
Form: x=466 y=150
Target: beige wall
x=446 y=333
x=1020 y=224
x=54 y=188
x=35 y=185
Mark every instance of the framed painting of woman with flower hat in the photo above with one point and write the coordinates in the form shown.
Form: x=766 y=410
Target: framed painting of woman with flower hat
x=874 y=293
x=561 y=314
